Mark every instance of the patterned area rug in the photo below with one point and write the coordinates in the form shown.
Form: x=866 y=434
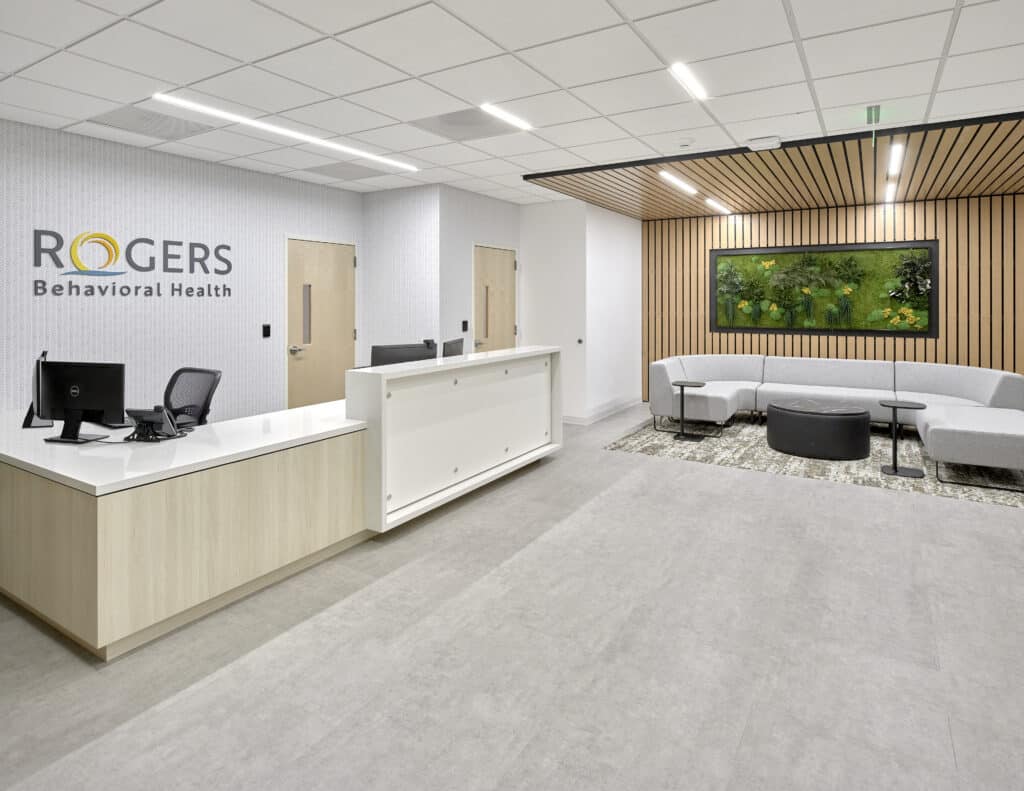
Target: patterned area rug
x=744 y=445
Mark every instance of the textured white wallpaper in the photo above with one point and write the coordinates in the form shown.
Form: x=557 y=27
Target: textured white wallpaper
x=74 y=184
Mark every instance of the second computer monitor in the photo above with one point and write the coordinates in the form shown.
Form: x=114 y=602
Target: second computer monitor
x=452 y=348
x=402 y=353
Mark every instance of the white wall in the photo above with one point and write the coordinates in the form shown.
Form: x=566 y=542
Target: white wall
x=72 y=184
x=613 y=311
x=552 y=287
x=399 y=268
x=468 y=219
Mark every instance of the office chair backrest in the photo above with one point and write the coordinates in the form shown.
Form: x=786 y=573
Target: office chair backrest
x=190 y=392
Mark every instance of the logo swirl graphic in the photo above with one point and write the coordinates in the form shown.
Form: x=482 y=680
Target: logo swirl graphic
x=107 y=242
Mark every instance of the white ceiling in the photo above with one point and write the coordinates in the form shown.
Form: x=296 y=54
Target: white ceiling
x=588 y=74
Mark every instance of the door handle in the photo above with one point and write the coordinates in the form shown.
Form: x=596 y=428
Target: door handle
x=477 y=344
x=293 y=349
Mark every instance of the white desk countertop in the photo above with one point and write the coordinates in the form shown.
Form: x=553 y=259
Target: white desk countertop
x=434 y=365
x=111 y=466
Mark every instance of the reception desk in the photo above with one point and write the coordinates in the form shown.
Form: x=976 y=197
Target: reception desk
x=115 y=544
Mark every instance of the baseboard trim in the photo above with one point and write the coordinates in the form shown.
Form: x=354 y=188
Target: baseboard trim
x=600 y=414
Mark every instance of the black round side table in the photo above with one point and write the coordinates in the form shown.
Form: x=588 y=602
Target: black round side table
x=683 y=433
x=895 y=468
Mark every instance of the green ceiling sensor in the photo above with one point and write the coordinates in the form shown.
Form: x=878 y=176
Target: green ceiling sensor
x=874 y=114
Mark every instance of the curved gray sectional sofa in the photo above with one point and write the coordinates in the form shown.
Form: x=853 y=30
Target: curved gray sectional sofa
x=973 y=415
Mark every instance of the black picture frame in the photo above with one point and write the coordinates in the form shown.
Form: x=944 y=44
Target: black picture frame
x=933 y=298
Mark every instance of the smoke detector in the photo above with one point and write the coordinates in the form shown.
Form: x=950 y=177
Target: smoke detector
x=764 y=143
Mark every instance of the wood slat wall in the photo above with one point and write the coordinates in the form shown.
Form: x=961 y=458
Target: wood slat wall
x=981 y=284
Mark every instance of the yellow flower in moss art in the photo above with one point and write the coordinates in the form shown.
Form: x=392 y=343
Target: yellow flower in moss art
x=905 y=311
x=896 y=320
x=847 y=290
x=887 y=312
x=768 y=264
x=806 y=290
x=912 y=319
x=773 y=307
x=742 y=303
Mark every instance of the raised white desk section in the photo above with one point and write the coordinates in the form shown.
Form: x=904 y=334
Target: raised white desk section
x=437 y=429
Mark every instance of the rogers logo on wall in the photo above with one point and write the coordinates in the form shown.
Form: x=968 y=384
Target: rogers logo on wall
x=94 y=254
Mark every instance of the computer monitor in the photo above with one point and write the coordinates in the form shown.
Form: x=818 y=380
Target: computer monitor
x=77 y=392
x=452 y=348
x=403 y=352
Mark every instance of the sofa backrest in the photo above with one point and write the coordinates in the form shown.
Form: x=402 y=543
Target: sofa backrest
x=984 y=385
x=724 y=367
x=870 y=374
x=660 y=376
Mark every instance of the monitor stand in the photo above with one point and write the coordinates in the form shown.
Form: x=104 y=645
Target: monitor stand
x=32 y=420
x=70 y=433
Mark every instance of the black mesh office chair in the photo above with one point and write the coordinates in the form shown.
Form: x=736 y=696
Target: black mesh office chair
x=189 y=393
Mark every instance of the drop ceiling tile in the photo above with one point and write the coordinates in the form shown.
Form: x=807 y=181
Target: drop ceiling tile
x=578 y=133
x=894 y=112
x=293 y=158
x=493 y=80
x=987 y=25
x=654 y=89
x=334 y=16
x=258 y=31
x=789 y=127
x=719 y=28
x=314 y=178
x=449 y=154
x=192 y=152
x=332 y=67
x=547 y=109
x=138 y=48
x=122 y=7
x=16 y=53
x=814 y=17
x=54 y=22
x=686 y=115
x=1004 y=97
x=615 y=151
x=761 y=104
x=504 y=194
x=254 y=164
x=48 y=99
x=340 y=116
x=255 y=88
x=400 y=137
x=638 y=9
x=871 y=87
x=354 y=186
x=348 y=171
x=342 y=156
x=515 y=180
x=604 y=55
x=231 y=143
x=25 y=116
x=408 y=100
x=487 y=168
x=524 y=23
x=112 y=133
x=980 y=68
x=547 y=160
x=515 y=143
x=874 y=47
x=475 y=185
x=76 y=73
x=390 y=182
x=437 y=175
x=421 y=40
x=688 y=141
x=746 y=71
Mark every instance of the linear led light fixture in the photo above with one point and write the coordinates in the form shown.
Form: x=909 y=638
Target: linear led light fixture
x=675 y=181
x=506 y=116
x=895 y=159
x=686 y=78
x=716 y=206
x=890 y=192
x=279 y=130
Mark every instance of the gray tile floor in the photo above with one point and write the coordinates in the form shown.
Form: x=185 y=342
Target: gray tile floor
x=601 y=620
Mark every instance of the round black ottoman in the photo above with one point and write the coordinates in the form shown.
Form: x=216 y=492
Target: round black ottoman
x=819 y=430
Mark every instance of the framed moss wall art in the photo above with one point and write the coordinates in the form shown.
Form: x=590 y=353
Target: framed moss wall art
x=882 y=288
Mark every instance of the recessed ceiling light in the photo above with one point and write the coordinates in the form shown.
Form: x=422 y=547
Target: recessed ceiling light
x=716 y=206
x=890 y=192
x=688 y=80
x=895 y=158
x=675 y=181
x=196 y=107
x=506 y=116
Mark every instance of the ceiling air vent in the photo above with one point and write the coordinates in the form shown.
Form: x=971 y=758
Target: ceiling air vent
x=146 y=122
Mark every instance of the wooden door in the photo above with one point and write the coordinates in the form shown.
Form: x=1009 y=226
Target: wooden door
x=494 y=298
x=321 y=320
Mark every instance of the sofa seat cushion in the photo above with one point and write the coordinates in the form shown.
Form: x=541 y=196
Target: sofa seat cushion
x=855 y=396
x=917 y=417
x=985 y=436
x=717 y=401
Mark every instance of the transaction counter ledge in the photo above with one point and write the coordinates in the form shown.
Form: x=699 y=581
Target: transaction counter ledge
x=116 y=544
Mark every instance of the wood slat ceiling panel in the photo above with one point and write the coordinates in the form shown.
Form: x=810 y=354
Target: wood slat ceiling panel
x=974 y=158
